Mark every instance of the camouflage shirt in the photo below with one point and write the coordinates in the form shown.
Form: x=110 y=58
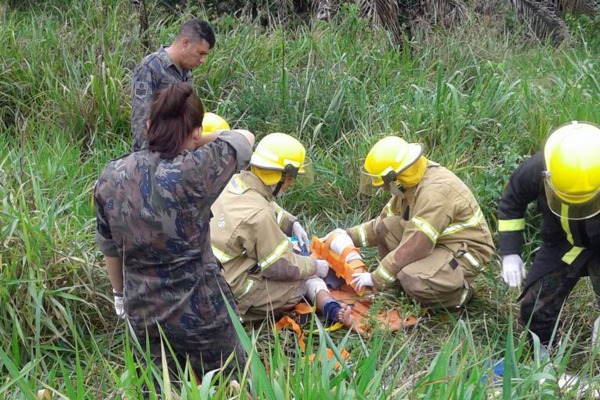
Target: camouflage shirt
x=156 y=71
x=154 y=214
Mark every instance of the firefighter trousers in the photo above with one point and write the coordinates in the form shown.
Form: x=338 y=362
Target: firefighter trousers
x=543 y=299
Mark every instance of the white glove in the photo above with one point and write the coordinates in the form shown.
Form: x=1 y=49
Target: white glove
x=322 y=268
x=362 y=279
x=300 y=234
x=513 y=270
x=596 y=333
x=119 y=310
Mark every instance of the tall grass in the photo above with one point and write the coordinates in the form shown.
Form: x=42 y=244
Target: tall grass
x=479 y=102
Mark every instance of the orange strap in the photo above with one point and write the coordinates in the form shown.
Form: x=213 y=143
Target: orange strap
x=288 y=322
x=329 y=354
x=302 y=308
x=342 y=269
x=387 y=319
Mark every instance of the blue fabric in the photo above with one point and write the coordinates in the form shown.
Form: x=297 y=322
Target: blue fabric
x=331 y=309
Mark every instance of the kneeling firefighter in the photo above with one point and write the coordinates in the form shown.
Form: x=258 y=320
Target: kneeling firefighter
x=564 y=180
x=431 y=235
x=250 y=236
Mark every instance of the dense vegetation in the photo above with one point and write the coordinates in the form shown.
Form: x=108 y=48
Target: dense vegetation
x=478 y=96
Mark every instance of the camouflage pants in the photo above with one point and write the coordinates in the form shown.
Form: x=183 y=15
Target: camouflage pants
x=205 y=352
x=543 y=299
x=190 y=336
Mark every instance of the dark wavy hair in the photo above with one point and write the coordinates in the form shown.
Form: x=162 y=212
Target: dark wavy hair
x=176 y=111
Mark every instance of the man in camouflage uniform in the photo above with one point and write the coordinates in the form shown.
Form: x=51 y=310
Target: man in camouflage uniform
x=431 y=235
x=168 y=65
x=250 y=237
x=153 y=228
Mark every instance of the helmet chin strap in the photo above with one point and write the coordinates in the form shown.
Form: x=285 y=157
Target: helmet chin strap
x=278 y=186
x=397 y=189
x=289 y=170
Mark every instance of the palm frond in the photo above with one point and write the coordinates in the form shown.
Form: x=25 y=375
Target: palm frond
x=488 y=7
x=383 y=13
x=326 y=9
x=541 y=19
x=446 y=12
x=587 y=7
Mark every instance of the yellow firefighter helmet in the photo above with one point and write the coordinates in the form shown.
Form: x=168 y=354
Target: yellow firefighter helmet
x=278 y=153
x=572 y=175
x=388 y=158
x=212 y=123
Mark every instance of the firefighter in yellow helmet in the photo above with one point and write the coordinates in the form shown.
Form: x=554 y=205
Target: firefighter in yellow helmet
x=431 y=235
x=250 y=236
x=212 y=123
x=564 y=180
x=212 y=126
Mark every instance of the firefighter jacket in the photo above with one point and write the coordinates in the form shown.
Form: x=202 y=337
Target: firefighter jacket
x=249 y=236
x=443 y=208
x=570 y=241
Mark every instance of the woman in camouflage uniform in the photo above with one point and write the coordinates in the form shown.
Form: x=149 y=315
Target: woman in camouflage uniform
x=153 y=212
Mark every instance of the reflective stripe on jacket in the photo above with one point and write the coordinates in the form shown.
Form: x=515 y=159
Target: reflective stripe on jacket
x=443 y=208
x=247 y=237
x=568 y=240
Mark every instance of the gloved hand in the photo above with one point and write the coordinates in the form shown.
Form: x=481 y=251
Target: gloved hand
x=362 y=279
x=322 y=268
x=300 y=234
x=513 y=270
x=596 y=333
x=119 y=310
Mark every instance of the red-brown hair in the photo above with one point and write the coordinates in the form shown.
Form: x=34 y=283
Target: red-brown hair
x=176 y=111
